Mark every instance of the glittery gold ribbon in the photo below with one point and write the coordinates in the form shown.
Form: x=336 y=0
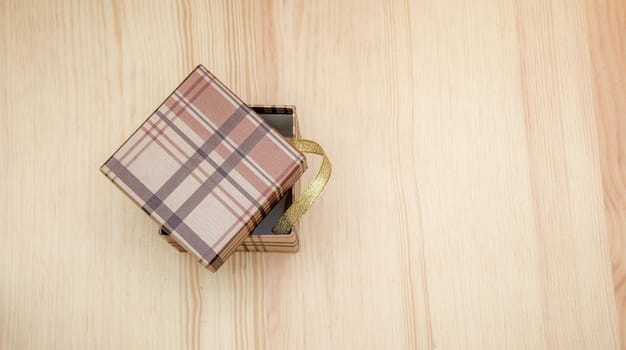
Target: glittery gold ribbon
x=310 y=194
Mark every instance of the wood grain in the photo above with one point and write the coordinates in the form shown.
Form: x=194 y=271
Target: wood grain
x=478 y=197
x=607 y=25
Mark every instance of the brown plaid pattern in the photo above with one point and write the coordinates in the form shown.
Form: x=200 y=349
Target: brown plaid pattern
x=206 y=167
x=259 y=240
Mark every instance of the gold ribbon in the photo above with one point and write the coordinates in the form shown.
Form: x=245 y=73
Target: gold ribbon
x=310 y=194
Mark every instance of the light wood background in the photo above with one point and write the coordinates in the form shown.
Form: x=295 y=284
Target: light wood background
x=478 y=198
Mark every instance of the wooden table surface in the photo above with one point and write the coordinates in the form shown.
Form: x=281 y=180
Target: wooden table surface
x=478 y=198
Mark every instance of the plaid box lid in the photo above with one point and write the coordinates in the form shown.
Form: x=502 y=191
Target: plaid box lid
x=206 y=167
x=284 y=119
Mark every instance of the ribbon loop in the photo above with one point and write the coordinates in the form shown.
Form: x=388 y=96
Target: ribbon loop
x=310 y=194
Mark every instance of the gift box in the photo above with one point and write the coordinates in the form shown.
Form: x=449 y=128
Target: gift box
x=284 y=120
x=207 y=167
